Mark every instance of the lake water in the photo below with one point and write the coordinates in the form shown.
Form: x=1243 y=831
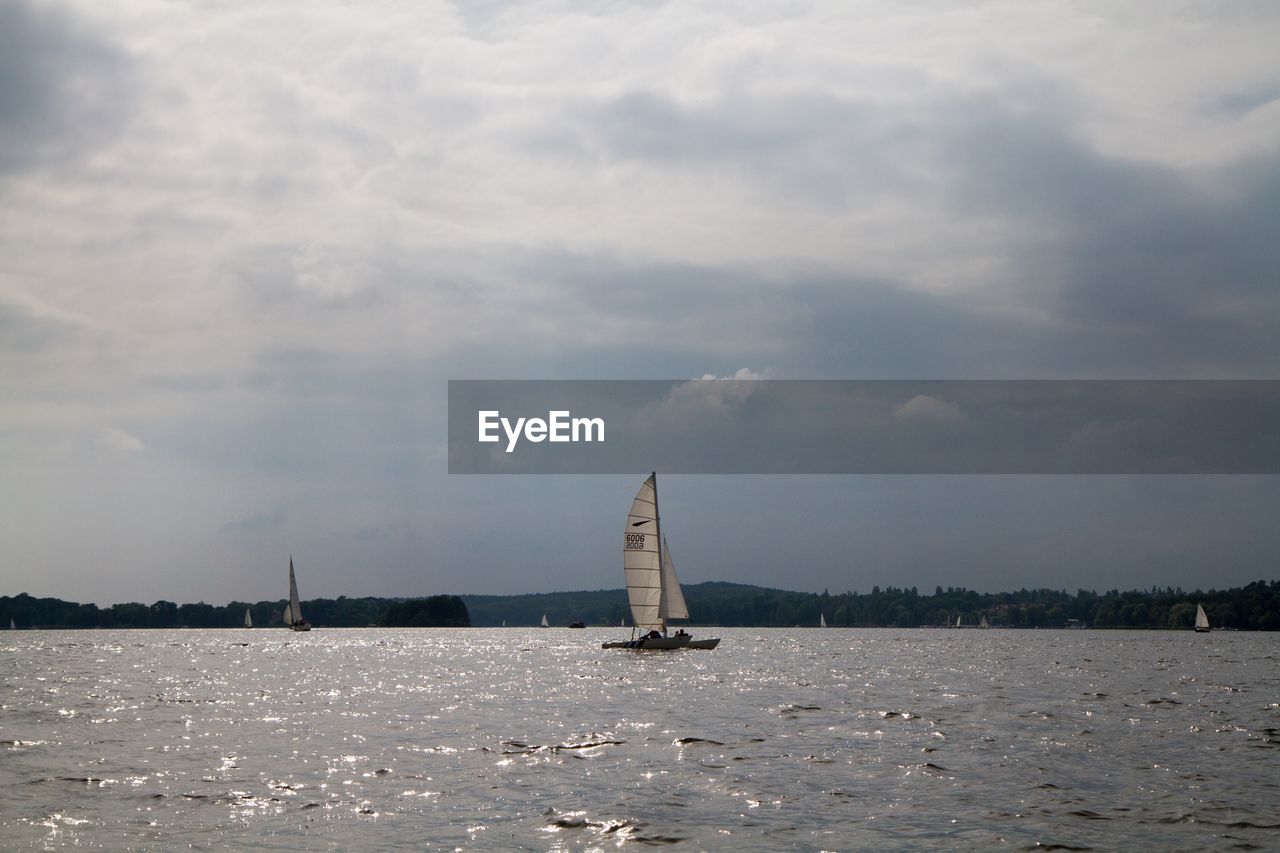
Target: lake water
x=538 y=739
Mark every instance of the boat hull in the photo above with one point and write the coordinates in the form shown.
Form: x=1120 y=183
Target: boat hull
x=300 y=626
x=663 y=643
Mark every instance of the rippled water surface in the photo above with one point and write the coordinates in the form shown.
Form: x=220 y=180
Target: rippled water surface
x=539 y=739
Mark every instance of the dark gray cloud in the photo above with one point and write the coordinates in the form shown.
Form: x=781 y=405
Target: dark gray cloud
x=63 y=89
x=1118 y=266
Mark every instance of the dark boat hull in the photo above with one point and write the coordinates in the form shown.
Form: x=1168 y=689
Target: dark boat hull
x=663 y=643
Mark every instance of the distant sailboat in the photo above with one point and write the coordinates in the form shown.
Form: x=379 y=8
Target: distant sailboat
x=822 y=620
x=653 y=589
x=248 y=620
x=12 y=626
x=957 y=620
x=1202 y=620
x=293 y=610
x=984 y=623
x=545 y=623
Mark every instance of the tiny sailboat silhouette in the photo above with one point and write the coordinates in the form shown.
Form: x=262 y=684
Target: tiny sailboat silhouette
x=545 y=623
x=1202 y=620
x=984 y=623
x=248 y=619
x=293 y=610
x=822 y=620
x=653 y=589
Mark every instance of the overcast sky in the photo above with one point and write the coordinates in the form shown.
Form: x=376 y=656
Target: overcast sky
x=243 y=246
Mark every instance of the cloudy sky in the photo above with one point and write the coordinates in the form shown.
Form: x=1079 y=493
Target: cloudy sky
x=243 y=247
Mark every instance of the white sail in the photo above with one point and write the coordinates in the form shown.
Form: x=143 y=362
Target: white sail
x=287 y=617
x=248 y=620
x=957 y=621
x=1202 y=618
x=822 y=620
x=640 y=558
x=984 y=623
x=672 y=595
x=545 y=623
x=11 y=625
x=295 y=606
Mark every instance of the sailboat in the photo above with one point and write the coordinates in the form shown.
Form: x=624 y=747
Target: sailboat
x=293 y=610
x=12 y=626
x=545 y=623
x=822 y=620
x=1202 y=620
x=984 y=623
x=653 y=589
x=248 y=619
x=957 y=620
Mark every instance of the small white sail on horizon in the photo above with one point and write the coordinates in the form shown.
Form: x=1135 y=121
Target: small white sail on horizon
x=822 y=620
x=984 y=623
x=1202 y=620
x=248 y=619
x=545 y=623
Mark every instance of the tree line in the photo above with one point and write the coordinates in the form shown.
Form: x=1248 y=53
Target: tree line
x=25 y=611
x=1253 y=607
x=1250 y=608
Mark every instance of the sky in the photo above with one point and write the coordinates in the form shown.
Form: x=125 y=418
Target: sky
x=244 y=247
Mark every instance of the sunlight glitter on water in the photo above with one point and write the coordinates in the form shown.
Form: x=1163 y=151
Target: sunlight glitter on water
x=806 y=738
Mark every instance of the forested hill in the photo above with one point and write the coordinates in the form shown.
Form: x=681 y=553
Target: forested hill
x=1253 y=607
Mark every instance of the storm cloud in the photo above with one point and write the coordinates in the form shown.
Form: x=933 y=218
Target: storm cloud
x=258 y=241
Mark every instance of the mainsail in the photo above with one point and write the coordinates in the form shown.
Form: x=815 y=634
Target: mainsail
x=294 y=614
x=248 y=620
x=642 y=561
x=1202 y=619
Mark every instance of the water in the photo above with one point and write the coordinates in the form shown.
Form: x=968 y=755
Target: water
x=540 y=740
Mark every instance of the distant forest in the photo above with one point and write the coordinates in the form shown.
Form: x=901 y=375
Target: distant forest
x=1255 y=607
x=24 y=611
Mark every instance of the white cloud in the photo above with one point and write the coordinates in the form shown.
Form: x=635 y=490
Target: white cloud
x=925 y=409
x=118 y=441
